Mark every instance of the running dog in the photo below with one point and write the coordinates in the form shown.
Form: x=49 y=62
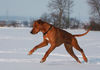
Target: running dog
x=56 y=36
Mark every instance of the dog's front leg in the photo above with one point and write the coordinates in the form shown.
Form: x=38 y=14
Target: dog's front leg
x=44 y=43
x=47 y=54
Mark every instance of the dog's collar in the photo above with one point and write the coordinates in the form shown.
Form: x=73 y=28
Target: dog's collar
x=47 y=30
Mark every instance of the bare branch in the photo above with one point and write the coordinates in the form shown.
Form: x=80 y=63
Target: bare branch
x=95 y=6
x=61 y=8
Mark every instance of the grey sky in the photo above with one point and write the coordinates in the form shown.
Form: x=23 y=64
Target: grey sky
x=35 y=8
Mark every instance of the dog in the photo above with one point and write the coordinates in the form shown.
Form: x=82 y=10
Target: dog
x=56 y=36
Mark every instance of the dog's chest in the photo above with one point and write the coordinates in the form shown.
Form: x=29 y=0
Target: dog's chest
x=47 y=38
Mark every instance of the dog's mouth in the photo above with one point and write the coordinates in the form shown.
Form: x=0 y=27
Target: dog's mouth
x=33 y=32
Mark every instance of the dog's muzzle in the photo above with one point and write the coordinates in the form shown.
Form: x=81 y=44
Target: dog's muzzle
x=31 y=32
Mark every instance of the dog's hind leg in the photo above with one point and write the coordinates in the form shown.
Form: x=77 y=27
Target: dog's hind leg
x=70 y=51
x=77 y=47
x=44 y=43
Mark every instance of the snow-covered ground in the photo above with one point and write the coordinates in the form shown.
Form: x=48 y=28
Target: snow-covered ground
x=16 y=42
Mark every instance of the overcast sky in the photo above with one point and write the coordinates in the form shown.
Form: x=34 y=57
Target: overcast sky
x=35 y=8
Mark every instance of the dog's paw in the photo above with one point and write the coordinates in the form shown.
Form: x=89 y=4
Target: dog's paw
x=30 y=53
x=42 y=61
x=85 y=59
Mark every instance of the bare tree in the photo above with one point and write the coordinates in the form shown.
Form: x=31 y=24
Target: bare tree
x=59 y=9
x=95 y=12
x=95 y=6
x=95 y=9
x=45 y=17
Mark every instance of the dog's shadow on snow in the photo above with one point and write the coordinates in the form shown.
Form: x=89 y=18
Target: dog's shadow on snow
x=62 y=62
x=94 y=60
x=91 y=60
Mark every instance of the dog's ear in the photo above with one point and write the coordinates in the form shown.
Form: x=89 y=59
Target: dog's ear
x=40 y=21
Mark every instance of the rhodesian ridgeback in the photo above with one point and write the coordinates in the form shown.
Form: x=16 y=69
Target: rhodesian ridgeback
x=56 y=37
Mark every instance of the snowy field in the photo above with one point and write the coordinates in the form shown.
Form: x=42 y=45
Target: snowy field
x=16 y=42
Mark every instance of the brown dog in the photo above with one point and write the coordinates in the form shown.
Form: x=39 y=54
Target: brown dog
x=56 y=37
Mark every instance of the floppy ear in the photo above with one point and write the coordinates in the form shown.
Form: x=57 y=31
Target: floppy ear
x=40 y=24
x=40 y=21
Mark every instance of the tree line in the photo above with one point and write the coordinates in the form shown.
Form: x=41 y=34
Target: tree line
x=60 y=11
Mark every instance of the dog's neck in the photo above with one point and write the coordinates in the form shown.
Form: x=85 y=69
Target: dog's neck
x=46 y=29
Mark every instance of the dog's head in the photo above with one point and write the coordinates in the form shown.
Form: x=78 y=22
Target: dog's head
x=37 y=26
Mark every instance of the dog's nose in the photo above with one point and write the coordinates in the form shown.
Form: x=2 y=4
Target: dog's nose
x=31 y=32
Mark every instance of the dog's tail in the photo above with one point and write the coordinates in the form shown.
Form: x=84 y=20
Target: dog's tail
x=79 y=35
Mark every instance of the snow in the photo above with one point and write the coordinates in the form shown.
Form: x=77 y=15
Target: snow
x=15 y=44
